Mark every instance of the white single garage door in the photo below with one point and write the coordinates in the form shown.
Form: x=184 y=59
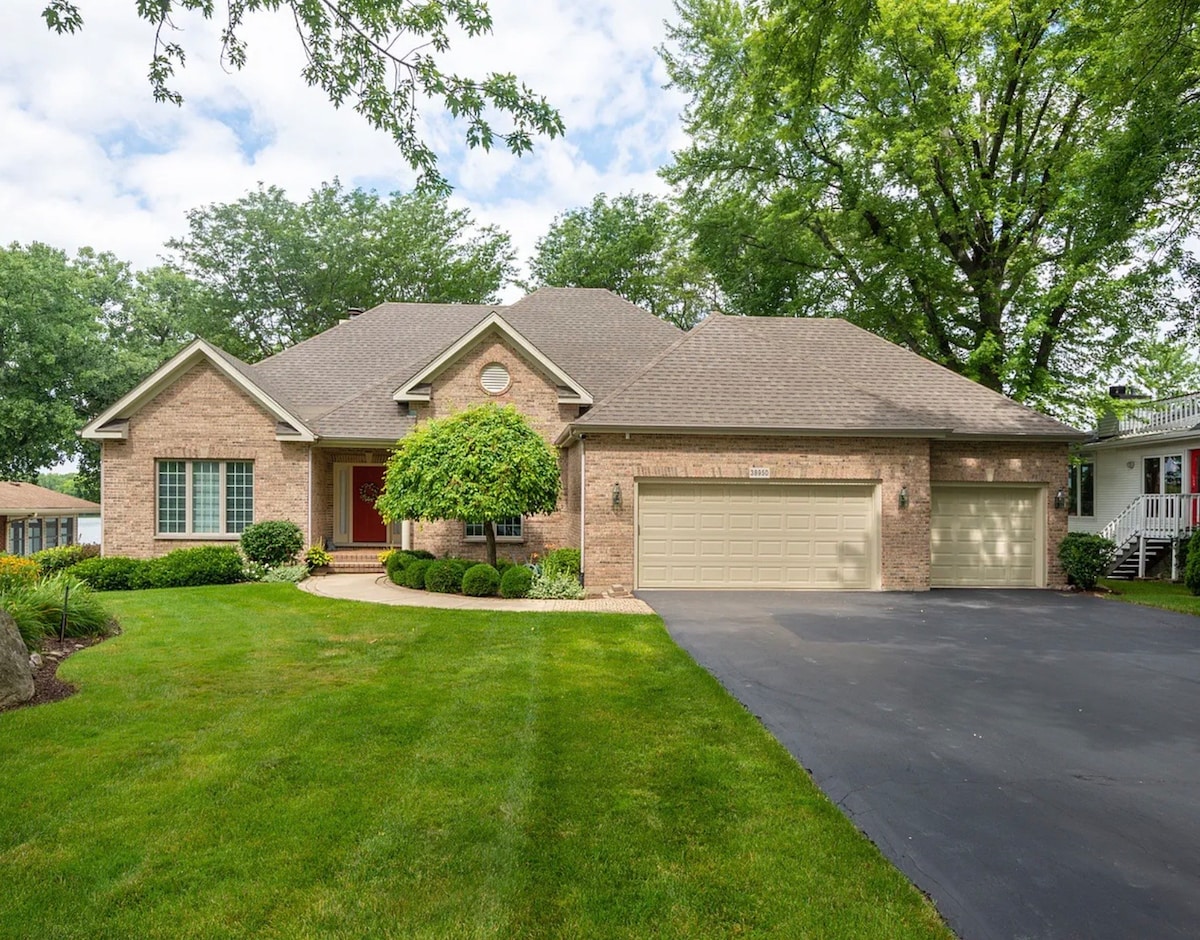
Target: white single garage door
x=757 y=535
x=986 y=536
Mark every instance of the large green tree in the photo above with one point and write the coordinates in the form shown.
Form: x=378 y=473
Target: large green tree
x=632 y=245
x=382 y=57
x=275 y=271
x=480 y=465
x=75 y=334
x=1004 y=186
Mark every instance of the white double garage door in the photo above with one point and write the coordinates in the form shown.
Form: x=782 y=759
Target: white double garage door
x=696 y=534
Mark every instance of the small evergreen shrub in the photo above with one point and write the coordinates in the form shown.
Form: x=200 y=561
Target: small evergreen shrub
x=288 y=574
x=51 y=560
x=191 y=567
x=562 y=562
x=108 y=572
x=414 y=574
x=17 y=572
x=38 y=609
x=421 y=553
x=515 y=582
x=272 y=542
x=556 y=587
x=396 y=563
x=1085 y=558
x=481 y=581
x=1191 y=572
x=446 y=576
x=317 y=557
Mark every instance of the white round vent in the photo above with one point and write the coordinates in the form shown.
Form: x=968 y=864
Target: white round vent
x=494 y=378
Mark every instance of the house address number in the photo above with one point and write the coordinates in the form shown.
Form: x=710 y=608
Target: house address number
x=760 y=473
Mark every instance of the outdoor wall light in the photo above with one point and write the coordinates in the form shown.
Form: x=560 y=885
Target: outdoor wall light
x=616 y=496
x=904 y=497
x=1060 y=499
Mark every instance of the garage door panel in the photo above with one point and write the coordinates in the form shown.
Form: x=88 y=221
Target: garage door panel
x=757 y=535
x=985 y=536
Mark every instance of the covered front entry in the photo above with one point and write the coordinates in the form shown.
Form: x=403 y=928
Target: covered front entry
x=356 y=520
x=986 y=535
x=698 y=534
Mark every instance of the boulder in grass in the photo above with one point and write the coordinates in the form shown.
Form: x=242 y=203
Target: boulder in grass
x=16 y=677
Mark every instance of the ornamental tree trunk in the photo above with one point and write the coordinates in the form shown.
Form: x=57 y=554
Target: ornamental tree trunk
x=489 y=530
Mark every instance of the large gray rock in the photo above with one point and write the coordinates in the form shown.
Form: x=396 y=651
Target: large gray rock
x=16 y=678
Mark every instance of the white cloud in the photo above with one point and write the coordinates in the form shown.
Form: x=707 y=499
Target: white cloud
x=91 y=159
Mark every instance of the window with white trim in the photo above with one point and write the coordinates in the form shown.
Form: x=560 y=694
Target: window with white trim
x=1081 y=489
x=205 y=497
x=511 y=529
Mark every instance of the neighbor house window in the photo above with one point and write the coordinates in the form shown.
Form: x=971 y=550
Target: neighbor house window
x=205 y=497
x=511 y=529
x=1081 y=499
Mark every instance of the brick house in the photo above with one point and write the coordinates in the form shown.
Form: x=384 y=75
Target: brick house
x=746 y=453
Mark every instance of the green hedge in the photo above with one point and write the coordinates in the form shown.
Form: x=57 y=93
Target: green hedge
x=109 y=572
x=445 y=576
x=515 y=582
x=481 y=581
x=184 y=567
x=414 y=574
x=51 y=560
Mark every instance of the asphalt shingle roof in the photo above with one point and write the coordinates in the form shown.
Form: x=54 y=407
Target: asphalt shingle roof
x=764 y=373
x=17 y=498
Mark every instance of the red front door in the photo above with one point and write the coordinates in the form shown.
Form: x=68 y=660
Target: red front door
x=1196 y=486
x=368 y=525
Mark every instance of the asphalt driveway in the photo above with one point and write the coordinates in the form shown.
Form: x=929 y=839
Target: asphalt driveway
x=1029 y=759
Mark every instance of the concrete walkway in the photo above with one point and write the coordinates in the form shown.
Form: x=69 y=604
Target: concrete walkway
x=377 y=589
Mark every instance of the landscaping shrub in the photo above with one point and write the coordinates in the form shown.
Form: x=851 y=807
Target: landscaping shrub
x=556 y=587
x=445 y=576
x=421 y=553
x=414 y=574
x=290 y=574
x=515 y=582
x=38 y=609
x=317 y=557
x=16 y=572
x=562 y=562
x=396 y=563
x=481 y=581
x=108 y=572
x=1191 y=571
x=51 y=560
x=272 y=542
x=191 y=567
x=1085 y=558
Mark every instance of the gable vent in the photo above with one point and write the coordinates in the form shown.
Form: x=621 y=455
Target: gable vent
x=494 y=378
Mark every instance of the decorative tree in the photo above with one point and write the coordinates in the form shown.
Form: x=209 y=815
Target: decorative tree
x=482 y=464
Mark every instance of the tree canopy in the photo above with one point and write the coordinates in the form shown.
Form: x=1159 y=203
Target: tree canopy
x=274 y=272
x=632 y=245
x=1004 y=186
x=479 y=465
x=379 y=56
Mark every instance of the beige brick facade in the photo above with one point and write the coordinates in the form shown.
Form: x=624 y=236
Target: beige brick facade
x=202 y=416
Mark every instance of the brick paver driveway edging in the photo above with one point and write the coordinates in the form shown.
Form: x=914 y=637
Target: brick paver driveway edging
x=1030 y=759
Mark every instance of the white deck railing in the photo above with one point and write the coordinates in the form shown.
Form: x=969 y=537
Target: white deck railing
x=1163 y=415
x=1155 y=517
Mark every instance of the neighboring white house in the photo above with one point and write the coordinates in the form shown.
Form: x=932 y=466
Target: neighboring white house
x=1137 y=479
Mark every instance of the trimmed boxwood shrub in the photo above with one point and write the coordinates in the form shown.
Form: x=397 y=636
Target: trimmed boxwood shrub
x=481 y=581
x=396 y=563
x=562 y=562
x=421 y=553
x=1191 y=570
x=1085 y=557
x=413 y=575
x=445 y=576
x=109 y=572
x=272 y=542
x=515 y=582
x=191 y=567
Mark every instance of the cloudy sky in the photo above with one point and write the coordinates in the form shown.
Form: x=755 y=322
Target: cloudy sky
x=89 y=158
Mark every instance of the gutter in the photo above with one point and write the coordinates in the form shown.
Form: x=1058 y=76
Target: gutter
x=575 y=432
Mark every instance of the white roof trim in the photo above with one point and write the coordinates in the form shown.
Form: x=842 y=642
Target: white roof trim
x=411 y=390
x=166 y=375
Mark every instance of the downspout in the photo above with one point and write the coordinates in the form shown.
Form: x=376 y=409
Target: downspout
x=582 y=507
x=310 y=459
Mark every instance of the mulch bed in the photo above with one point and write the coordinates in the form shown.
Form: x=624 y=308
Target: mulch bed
x=47 y=687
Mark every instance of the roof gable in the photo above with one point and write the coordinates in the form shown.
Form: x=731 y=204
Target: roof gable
x=113 y=423
x=416 y=386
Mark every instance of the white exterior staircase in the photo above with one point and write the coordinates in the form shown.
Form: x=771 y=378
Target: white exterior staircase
x=1147 y=529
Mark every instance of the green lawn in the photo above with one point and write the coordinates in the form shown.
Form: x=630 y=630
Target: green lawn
x=1162 y=594
x=255 y=761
